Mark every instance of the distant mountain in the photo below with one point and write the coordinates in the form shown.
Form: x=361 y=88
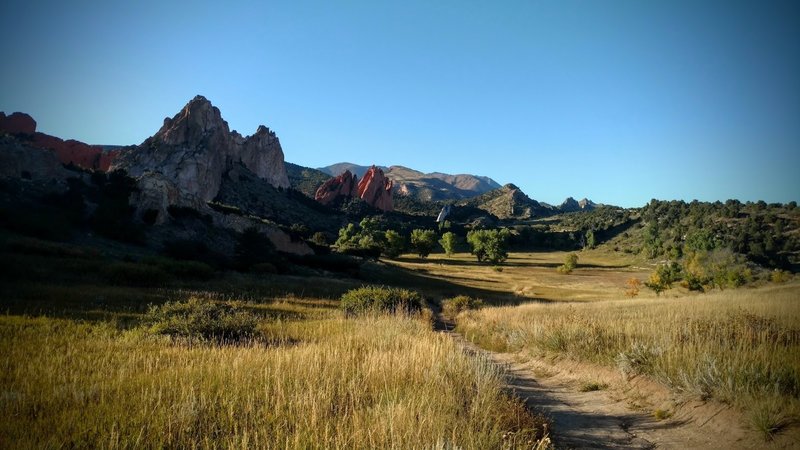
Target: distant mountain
x=337 y=169
x=509 y=202
x=438 y=186
x=572 y=205
x=421 y=186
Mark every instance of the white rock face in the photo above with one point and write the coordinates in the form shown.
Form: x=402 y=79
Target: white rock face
x=195 y=148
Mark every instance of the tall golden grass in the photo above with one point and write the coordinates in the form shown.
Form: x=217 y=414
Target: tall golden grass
x=741 y=347
x=376 y=382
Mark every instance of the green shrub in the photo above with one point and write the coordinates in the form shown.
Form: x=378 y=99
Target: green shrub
x=203 y=320
x=451 y=307
x=780 y=276
x=380 y=299
x=570 y=263
x=135 y=274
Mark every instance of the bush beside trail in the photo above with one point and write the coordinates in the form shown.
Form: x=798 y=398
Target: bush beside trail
x=380 y=299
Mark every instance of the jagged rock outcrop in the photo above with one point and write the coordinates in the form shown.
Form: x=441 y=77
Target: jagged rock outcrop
x=585 y=203
x=17 y=123
x=342 y=186
x=509 y=202
x=375 y=189
x=68 y=152
x=572 y=205
x=196 y=148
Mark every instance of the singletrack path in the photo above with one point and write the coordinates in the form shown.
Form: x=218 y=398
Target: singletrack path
x=619 y=415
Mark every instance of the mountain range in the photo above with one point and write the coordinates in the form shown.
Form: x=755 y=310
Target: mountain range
x=194 y=161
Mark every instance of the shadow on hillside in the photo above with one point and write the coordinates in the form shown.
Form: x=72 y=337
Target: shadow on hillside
x=437 y=288
x=544 y=265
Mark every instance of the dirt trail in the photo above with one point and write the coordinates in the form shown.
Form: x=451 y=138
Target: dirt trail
x=620 y=414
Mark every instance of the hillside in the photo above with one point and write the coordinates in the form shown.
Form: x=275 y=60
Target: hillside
x=438 y=186
x=509 y=202
x=305 y=179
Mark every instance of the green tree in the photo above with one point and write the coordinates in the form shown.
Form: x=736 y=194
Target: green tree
x=448 y=242
x=395 y=244
x=590 y=240
x=489 y=245
x=349 y=236
x=423 y=241
x=570 y=263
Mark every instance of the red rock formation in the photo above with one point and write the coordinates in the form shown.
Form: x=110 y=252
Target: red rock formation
x=17 y=123
x=375 y=189
x=71 y=151
x=76 y=152
x=345 y=185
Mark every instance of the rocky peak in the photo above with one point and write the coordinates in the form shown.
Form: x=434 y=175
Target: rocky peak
x=196 y=121
x=375 y=189
x=571 y=205
x=196 y=148
x=585 y=203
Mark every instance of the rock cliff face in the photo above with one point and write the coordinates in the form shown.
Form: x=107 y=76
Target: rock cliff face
x=344 y=185
x=196 y=148
x=376 y=189
x=67 y=152
x=18 y=159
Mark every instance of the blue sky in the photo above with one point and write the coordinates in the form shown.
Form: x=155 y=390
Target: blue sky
x=619 y=101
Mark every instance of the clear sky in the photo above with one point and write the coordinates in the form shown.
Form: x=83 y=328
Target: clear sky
x=618 y=101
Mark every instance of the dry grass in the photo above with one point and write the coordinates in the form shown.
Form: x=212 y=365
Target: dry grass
x=741 y=347
x=599 y=275
x=329 y=382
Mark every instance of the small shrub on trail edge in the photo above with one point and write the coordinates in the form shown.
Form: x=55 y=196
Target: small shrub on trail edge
x=451 y=307
x=380 y=299
x=202 y=320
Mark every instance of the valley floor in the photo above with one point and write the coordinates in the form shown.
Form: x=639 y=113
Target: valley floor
x=82 y=367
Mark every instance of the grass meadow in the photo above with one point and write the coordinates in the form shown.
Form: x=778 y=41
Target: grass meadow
x=740 y=347
x=80 y=367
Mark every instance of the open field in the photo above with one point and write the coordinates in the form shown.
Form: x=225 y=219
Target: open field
x=81 y=368
x=739 y=347
x=319 y=382
x=531 y=276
